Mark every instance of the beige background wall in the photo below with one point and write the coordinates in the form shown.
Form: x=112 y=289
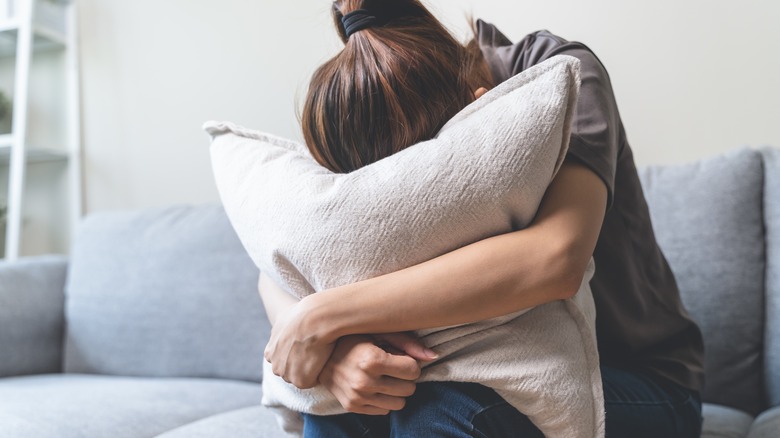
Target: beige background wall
x=693 y=78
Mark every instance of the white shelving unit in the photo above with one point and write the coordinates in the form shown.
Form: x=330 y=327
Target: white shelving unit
x=21 y=36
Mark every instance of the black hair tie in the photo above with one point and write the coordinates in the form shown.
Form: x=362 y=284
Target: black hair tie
x=356 y=20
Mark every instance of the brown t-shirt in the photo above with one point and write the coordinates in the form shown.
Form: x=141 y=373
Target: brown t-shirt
x=641 y=323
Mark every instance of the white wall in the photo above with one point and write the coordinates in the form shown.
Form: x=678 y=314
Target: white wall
x=692 y=78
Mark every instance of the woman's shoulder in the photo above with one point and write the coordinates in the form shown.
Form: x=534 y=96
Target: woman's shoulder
x=507 y=59
x=488 y=35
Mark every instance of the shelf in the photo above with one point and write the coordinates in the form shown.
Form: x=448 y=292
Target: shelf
x=44 y=39
x=41 y=26
x=9 y=25
x=34 y=155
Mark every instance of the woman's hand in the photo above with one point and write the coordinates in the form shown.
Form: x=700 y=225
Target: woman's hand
x=373 y=375
x=296 y=351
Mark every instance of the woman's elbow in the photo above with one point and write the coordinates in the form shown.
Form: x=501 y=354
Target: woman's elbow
x=570 y=285
x=571 y=272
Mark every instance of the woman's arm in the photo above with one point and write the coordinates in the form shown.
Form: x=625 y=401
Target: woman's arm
x=493 y=277
x=496 y=276
x=365 y=377
x=275 y=300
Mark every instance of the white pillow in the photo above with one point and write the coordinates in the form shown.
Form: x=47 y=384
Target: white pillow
x=484 y=174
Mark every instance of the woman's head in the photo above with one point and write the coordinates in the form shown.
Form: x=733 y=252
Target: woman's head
x=394 y=84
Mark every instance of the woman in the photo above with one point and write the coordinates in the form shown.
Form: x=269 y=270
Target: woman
x=400 y=77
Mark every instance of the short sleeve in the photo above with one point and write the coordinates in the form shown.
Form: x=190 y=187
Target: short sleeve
x=596 y=129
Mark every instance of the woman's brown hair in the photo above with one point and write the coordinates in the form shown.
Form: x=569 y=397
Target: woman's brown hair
x=393 y=85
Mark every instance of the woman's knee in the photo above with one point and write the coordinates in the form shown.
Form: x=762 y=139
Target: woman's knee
x=346 y=425
x=451 y=409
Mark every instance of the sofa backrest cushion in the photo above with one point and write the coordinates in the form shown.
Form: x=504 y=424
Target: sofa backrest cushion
x=165 y=293
x=772 y=223
x=708 y=220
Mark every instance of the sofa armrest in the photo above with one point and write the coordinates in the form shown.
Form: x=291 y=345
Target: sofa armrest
x=772 y=230
x=32 y=317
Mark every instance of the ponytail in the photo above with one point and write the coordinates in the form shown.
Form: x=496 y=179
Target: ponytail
x=399 y=78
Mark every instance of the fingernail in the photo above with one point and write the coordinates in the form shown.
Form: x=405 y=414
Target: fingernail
x=430 y=353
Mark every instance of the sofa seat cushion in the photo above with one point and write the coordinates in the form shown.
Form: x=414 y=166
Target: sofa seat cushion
x=723 y=422
x=251 y=422
x=85 y=406
x=767 y=425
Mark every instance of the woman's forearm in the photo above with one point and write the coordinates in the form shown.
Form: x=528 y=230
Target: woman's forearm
x=275 y=299
x=493 y=277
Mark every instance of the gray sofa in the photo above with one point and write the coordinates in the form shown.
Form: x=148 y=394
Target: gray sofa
x=152 y=326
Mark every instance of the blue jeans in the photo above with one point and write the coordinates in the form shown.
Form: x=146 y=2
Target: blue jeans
x=637 y=405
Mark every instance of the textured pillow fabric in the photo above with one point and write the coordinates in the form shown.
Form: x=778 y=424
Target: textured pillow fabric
x=164 y=292
x=484 y=174
x=708 y=219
